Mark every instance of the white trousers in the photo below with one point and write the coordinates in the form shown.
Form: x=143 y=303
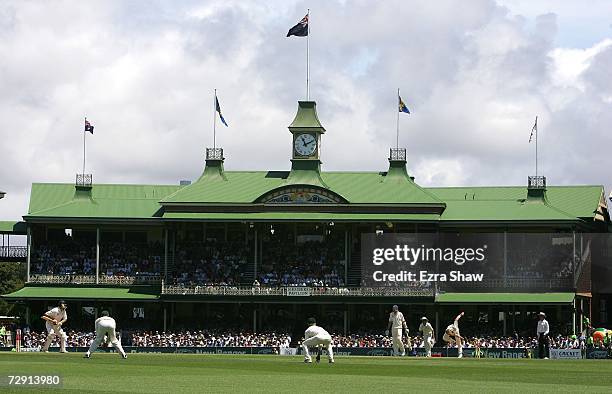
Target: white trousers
x=315 y=341
x=428 y=342
x=398 y=344
x=52 y=331
x=454 y=340
x=106 y=329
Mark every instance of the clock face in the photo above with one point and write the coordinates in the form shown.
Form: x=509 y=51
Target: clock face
x=305 y=144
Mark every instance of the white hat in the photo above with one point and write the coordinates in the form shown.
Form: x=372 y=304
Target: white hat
x=423 y=318
x=542 y=314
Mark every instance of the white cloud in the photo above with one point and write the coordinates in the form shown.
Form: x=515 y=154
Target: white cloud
x=473 y=73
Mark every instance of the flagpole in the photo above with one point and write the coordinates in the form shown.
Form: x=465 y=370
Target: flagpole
x=308 y=56
x=536 y=126
x=215 y=120
x=397 y=110
x=84 y=136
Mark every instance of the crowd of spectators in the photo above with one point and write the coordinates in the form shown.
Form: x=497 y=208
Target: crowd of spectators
x=225 y=338
x=131 y=259
x=195 y=338
x=64 y=258
x=206 y=338
x=212 y=263
x=310 y=263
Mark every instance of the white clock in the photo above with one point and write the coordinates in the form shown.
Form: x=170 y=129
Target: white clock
x=305 y=144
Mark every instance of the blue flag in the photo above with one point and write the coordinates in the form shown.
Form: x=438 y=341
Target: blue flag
x=402 y=106
x=219 y=111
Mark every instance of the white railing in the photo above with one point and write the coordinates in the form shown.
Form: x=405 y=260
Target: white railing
x=77 y=279
x=129 y=280
x=91 y=279
x=296 y=291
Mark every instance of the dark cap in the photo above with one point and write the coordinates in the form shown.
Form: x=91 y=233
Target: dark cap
x=311 y=321
x=105 y=313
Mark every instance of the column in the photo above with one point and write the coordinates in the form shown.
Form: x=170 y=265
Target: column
x=345 y=322
x=436 y=326
x=165 y=262
x=254 y=319
x=29 y=252
x=504 y=319
x=97 y=255
x=165 y=317
x=256 y=243
x=574 y=317
x=505 y=256
x=346 y=256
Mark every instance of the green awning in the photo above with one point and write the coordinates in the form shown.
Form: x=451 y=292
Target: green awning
x=307 y=216
x=16 y=228
x=85 y=293
x=505 y=298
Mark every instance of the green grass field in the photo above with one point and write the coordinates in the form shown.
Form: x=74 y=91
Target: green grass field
x=173 y=373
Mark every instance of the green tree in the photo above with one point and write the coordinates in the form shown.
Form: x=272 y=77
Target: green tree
x=12 y=277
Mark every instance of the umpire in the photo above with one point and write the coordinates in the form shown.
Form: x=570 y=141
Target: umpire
x=542 y=331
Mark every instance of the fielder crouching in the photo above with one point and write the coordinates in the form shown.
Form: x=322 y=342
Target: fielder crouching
x=105 y=326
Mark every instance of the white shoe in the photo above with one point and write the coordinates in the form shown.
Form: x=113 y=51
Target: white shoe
x=331 y=361
x=403 y=354
x=545 y=358
x=460 y=356
x=124 y=356
x=307 y=361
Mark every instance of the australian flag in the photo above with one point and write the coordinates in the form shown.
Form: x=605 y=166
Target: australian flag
x=218 y=107
x=88 y=126
x=301 y=29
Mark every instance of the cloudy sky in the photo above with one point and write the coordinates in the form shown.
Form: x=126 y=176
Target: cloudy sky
x=474 y=74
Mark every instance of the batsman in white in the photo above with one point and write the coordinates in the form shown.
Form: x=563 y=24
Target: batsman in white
x=397 y=325
x=316 y=336
x=105 y=326
x=54 y=319
x=427 y=331
x=451 y=335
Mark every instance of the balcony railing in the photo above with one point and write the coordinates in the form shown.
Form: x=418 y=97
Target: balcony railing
x=84 y=180
x=13 y=252
x=59 y=279
x=290 y=291
x=91 y=279
x=214 y=153
x=536 y=182
x=398 y=154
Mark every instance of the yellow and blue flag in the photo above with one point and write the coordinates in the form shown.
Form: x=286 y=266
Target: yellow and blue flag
x=402 y=106
x=218 y=107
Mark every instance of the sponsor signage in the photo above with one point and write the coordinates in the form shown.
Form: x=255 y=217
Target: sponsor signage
x=565 y=353
x=299 y=291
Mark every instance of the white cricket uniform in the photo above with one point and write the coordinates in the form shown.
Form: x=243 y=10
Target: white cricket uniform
x=55 y=329
x=454 y=329
x=105 y=326
x=397 y=324
x=428 y=340
x=317 y=336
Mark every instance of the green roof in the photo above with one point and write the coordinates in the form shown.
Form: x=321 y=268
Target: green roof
x=85 y=293
x=495 y=204
x=292 y=216
x=505 y=298
x=356 y=187
x=17 y=228
x=107 y=201
x=508 y=202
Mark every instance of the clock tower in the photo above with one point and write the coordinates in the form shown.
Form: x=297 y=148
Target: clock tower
x=306 y=130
